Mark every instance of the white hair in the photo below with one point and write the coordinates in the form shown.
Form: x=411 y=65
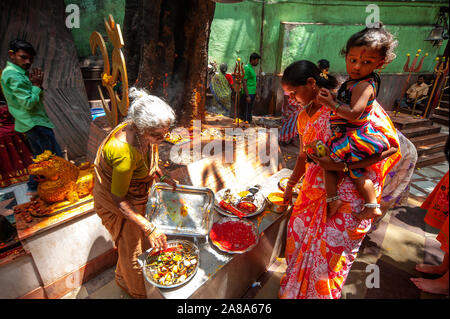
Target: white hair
x=148 y=111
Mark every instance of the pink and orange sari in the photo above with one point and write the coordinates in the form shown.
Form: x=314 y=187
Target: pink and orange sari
x=320 y=251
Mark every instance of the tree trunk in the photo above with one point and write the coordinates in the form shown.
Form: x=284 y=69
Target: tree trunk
x=166 y=51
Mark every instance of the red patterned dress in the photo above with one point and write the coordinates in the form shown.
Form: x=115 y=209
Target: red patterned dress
x=15 y=154
x=320 y=251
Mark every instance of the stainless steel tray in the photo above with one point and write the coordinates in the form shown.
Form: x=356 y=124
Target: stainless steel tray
x=244 y=221
x=172 y=243
x=260 y=202
x=186 y=211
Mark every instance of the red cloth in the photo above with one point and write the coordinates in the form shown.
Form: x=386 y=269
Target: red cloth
x=15 y=154
x=229 y=78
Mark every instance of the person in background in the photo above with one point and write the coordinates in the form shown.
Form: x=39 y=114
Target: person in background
x=221 y=89
x=228 y=76
x=23 y=92
x=436 y=205
x=248 y=92
x=290 y=110
x=415 y=91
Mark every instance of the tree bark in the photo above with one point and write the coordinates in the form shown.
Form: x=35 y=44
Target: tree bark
x=166 y=51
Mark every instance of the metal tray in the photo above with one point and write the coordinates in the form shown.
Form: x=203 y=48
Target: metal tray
x=247 y=222
x=185 y=211
x=260 y=203
x=171 y=243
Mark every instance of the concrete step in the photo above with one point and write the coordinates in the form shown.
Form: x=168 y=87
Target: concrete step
x=430 y=148
x=441 y=111
x=444 y=103
x=428 y=160
x=428 y=139
x=406 y=121
x=421 y=130
x=440 y=119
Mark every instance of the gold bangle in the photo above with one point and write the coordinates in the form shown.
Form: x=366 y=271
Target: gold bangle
x=147 y=233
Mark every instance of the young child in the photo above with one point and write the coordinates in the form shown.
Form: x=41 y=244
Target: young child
x=354 y=138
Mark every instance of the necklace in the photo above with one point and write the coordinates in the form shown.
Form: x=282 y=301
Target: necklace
x=141 y=150
x=306 y=108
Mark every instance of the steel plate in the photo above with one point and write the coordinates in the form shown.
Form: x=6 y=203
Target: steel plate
x=260 y=203
x=246 y=222
x=172 y=243
x=185 y=211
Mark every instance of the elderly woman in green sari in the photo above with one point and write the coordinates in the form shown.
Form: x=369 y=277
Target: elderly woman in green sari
x=221 y=89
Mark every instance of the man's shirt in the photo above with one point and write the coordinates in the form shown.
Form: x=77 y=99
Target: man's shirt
x=250 y=76
x=417 y=90
x=24 y=100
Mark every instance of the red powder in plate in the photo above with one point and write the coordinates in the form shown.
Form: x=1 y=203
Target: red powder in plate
x=233 y=235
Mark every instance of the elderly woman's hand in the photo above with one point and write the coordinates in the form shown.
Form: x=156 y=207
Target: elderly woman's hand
x=157 y=240
x=170 y=181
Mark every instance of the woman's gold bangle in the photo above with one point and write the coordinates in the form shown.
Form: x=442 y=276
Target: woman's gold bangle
x=149 y=230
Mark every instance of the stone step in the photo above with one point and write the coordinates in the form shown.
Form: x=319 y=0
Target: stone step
x=428 y=139
x=441 y=111
x=440 y=119
x=421 y=130
x=444 y=103
x=430 y=148
x=427 y=160
x=405 y=121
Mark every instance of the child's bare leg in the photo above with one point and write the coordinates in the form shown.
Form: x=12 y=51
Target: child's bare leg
x=333 y=201
x=367 y=190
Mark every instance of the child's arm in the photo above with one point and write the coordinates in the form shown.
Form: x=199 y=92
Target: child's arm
x=360 y=96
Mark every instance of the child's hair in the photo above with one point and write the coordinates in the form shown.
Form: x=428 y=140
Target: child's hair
x=17 y=44
x=378 y=38
x=297 y=73
x=323 y=64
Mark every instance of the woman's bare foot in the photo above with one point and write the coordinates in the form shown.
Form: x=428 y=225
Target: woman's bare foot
x=437 y=286
x=368 y=213
x=431 y=269
x=333 y=207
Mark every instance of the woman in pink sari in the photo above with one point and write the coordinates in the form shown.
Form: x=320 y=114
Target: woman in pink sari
x=321 y=249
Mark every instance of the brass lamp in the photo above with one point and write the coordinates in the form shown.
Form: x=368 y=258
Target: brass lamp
x=440 y=30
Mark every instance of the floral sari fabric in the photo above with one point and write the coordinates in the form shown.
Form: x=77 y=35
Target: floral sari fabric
x=320 y=250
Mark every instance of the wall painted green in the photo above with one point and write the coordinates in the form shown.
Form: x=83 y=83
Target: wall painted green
x=92 y=13
x=235 y=31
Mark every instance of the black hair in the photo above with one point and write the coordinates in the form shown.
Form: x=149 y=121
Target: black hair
x=254 y=56
x=378 y=38
x=297 y=73
x=18 y=44
x=323 y=64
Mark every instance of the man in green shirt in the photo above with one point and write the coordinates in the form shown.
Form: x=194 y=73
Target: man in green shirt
x=23 y=93
x=248 y=92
